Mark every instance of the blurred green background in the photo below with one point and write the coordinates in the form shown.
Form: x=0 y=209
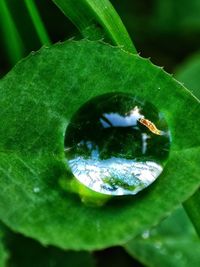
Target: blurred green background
x=168 y=31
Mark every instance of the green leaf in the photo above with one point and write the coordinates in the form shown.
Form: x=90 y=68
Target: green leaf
x=38 y=98
x=179 y=15
x=85 y=13
x=172 y=243
x=189 y=74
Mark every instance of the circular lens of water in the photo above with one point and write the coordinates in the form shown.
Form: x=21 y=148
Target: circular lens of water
x=117 y=144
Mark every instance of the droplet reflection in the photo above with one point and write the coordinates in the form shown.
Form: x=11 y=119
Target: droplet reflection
x=117 y=144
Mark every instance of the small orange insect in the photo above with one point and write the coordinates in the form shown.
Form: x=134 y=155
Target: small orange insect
x=151 y=126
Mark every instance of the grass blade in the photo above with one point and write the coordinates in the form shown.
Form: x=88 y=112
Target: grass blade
x=84 y=13
x=12 y=38
x=37 y=21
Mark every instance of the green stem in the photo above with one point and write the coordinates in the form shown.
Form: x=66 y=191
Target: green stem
x=13 y=42
x=84 y=13
x=37 y=22
x=192 y=207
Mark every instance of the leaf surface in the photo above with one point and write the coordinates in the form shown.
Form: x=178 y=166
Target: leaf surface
x=38 y=98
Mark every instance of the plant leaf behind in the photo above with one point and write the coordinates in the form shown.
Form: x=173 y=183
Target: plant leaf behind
x=172 y=243
x=84 y=13
x=37 y=22
x=178 y=16
x=38 y=98
x=188 y=73
x=11 y=37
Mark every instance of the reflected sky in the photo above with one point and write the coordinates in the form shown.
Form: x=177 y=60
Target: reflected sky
x=116 y=120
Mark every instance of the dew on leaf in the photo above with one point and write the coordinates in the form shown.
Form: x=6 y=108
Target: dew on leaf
x=36 y=189
x=146 y=234
x=117 y=144
x=158 y=245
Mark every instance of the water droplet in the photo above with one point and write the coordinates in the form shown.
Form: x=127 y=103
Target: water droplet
x=117 y=144
x=36 y=189
x=146 y=234
x=158 y=245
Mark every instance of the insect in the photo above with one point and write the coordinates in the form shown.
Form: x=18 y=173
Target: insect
x=151 y=126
